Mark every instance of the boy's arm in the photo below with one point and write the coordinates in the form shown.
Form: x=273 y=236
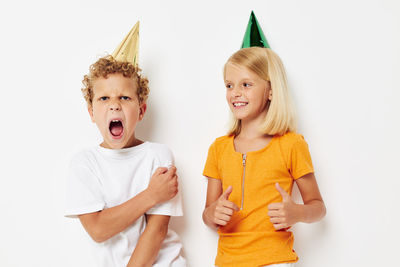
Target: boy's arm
x=104 y=224
x=150 y=241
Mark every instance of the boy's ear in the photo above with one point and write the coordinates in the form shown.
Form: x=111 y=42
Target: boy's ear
x=90 y=110
x=143 y=108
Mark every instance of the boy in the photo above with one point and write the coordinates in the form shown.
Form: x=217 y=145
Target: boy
x=122 y=190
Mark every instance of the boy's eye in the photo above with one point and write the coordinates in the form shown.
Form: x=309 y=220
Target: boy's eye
x=103 y=98
x=125 y=98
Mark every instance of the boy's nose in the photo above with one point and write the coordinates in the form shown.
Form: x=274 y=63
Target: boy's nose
x=115 y=106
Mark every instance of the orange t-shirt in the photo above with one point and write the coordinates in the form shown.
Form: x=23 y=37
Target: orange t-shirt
x=250 y=239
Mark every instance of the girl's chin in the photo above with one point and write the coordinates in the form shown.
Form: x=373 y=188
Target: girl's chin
x=239 y=117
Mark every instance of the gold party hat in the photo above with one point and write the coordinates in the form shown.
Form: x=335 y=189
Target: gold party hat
x=128 y=49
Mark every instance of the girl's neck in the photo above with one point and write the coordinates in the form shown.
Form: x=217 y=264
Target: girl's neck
x=251 y=138
x=251 y=129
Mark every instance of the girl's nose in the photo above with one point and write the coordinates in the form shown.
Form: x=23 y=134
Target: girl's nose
x=237 y=92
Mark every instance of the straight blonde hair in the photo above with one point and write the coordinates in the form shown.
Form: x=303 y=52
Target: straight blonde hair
x=281 y=116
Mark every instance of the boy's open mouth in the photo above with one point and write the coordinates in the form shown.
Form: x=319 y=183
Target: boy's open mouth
x=116 y=128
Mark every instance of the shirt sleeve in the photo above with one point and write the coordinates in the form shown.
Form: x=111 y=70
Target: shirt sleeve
x=173 y=207
x=300 y=159
x=211 y=166
x=83 y=191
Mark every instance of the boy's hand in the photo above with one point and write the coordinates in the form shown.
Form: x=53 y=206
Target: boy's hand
x=285 y=213
x=221 y=211
x=163 y=184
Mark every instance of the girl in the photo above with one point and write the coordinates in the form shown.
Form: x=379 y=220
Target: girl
x=251 y=170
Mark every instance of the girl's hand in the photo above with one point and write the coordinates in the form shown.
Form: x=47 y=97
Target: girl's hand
x=220 y=211
x=285 y=213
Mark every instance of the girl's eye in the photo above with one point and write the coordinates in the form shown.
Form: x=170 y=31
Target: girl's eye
x=103 y=98
x=246 y=85
x=228 y=86
x=125 y=98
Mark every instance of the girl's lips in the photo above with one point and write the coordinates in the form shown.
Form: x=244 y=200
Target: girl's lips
x=239 y=104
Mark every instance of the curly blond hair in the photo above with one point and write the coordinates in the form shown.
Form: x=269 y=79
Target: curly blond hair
x=108 y=65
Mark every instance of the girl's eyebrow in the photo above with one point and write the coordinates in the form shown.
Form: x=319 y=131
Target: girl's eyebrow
x=242 y=80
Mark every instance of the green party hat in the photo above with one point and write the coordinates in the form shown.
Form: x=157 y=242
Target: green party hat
x=254 y=35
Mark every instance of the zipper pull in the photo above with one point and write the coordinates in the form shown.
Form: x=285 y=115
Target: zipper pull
x=244 y=160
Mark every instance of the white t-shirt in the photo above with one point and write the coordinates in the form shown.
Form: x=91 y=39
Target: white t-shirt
x=101 y=178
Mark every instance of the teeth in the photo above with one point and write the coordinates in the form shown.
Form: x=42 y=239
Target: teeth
x=239 y=104
x=115 y=120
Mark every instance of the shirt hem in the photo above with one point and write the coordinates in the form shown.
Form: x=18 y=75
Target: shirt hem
x=302 y=173
x=73 y=213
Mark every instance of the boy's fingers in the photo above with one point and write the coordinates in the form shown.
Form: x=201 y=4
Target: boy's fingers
x=160 y=170
x=174 y=177
x=172 y=169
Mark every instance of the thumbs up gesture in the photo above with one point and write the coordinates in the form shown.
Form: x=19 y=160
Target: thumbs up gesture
x=283 y=214
x=222 y=209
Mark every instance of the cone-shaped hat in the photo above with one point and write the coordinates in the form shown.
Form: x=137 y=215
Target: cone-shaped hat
x=128 y=49
x=254 y=35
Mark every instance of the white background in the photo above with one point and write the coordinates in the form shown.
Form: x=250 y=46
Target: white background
x=343 y=63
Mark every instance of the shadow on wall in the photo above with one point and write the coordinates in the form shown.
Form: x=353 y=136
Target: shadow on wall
x=308 y=238
x=145 y=128
x=145 y=132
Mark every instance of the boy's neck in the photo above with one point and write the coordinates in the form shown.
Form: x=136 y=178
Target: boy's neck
x=133 y=143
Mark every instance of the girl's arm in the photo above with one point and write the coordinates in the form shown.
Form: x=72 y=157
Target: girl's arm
x=219 y=209
x=150 y=241
x=314 y=208
x=287 y=213
x=104 y=224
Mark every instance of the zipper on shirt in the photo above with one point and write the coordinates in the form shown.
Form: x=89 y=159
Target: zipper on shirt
x=244 y=172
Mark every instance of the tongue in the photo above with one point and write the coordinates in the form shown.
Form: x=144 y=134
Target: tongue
x=116 y=130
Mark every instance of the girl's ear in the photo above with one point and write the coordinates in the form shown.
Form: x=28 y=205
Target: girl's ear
x=270 y=95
